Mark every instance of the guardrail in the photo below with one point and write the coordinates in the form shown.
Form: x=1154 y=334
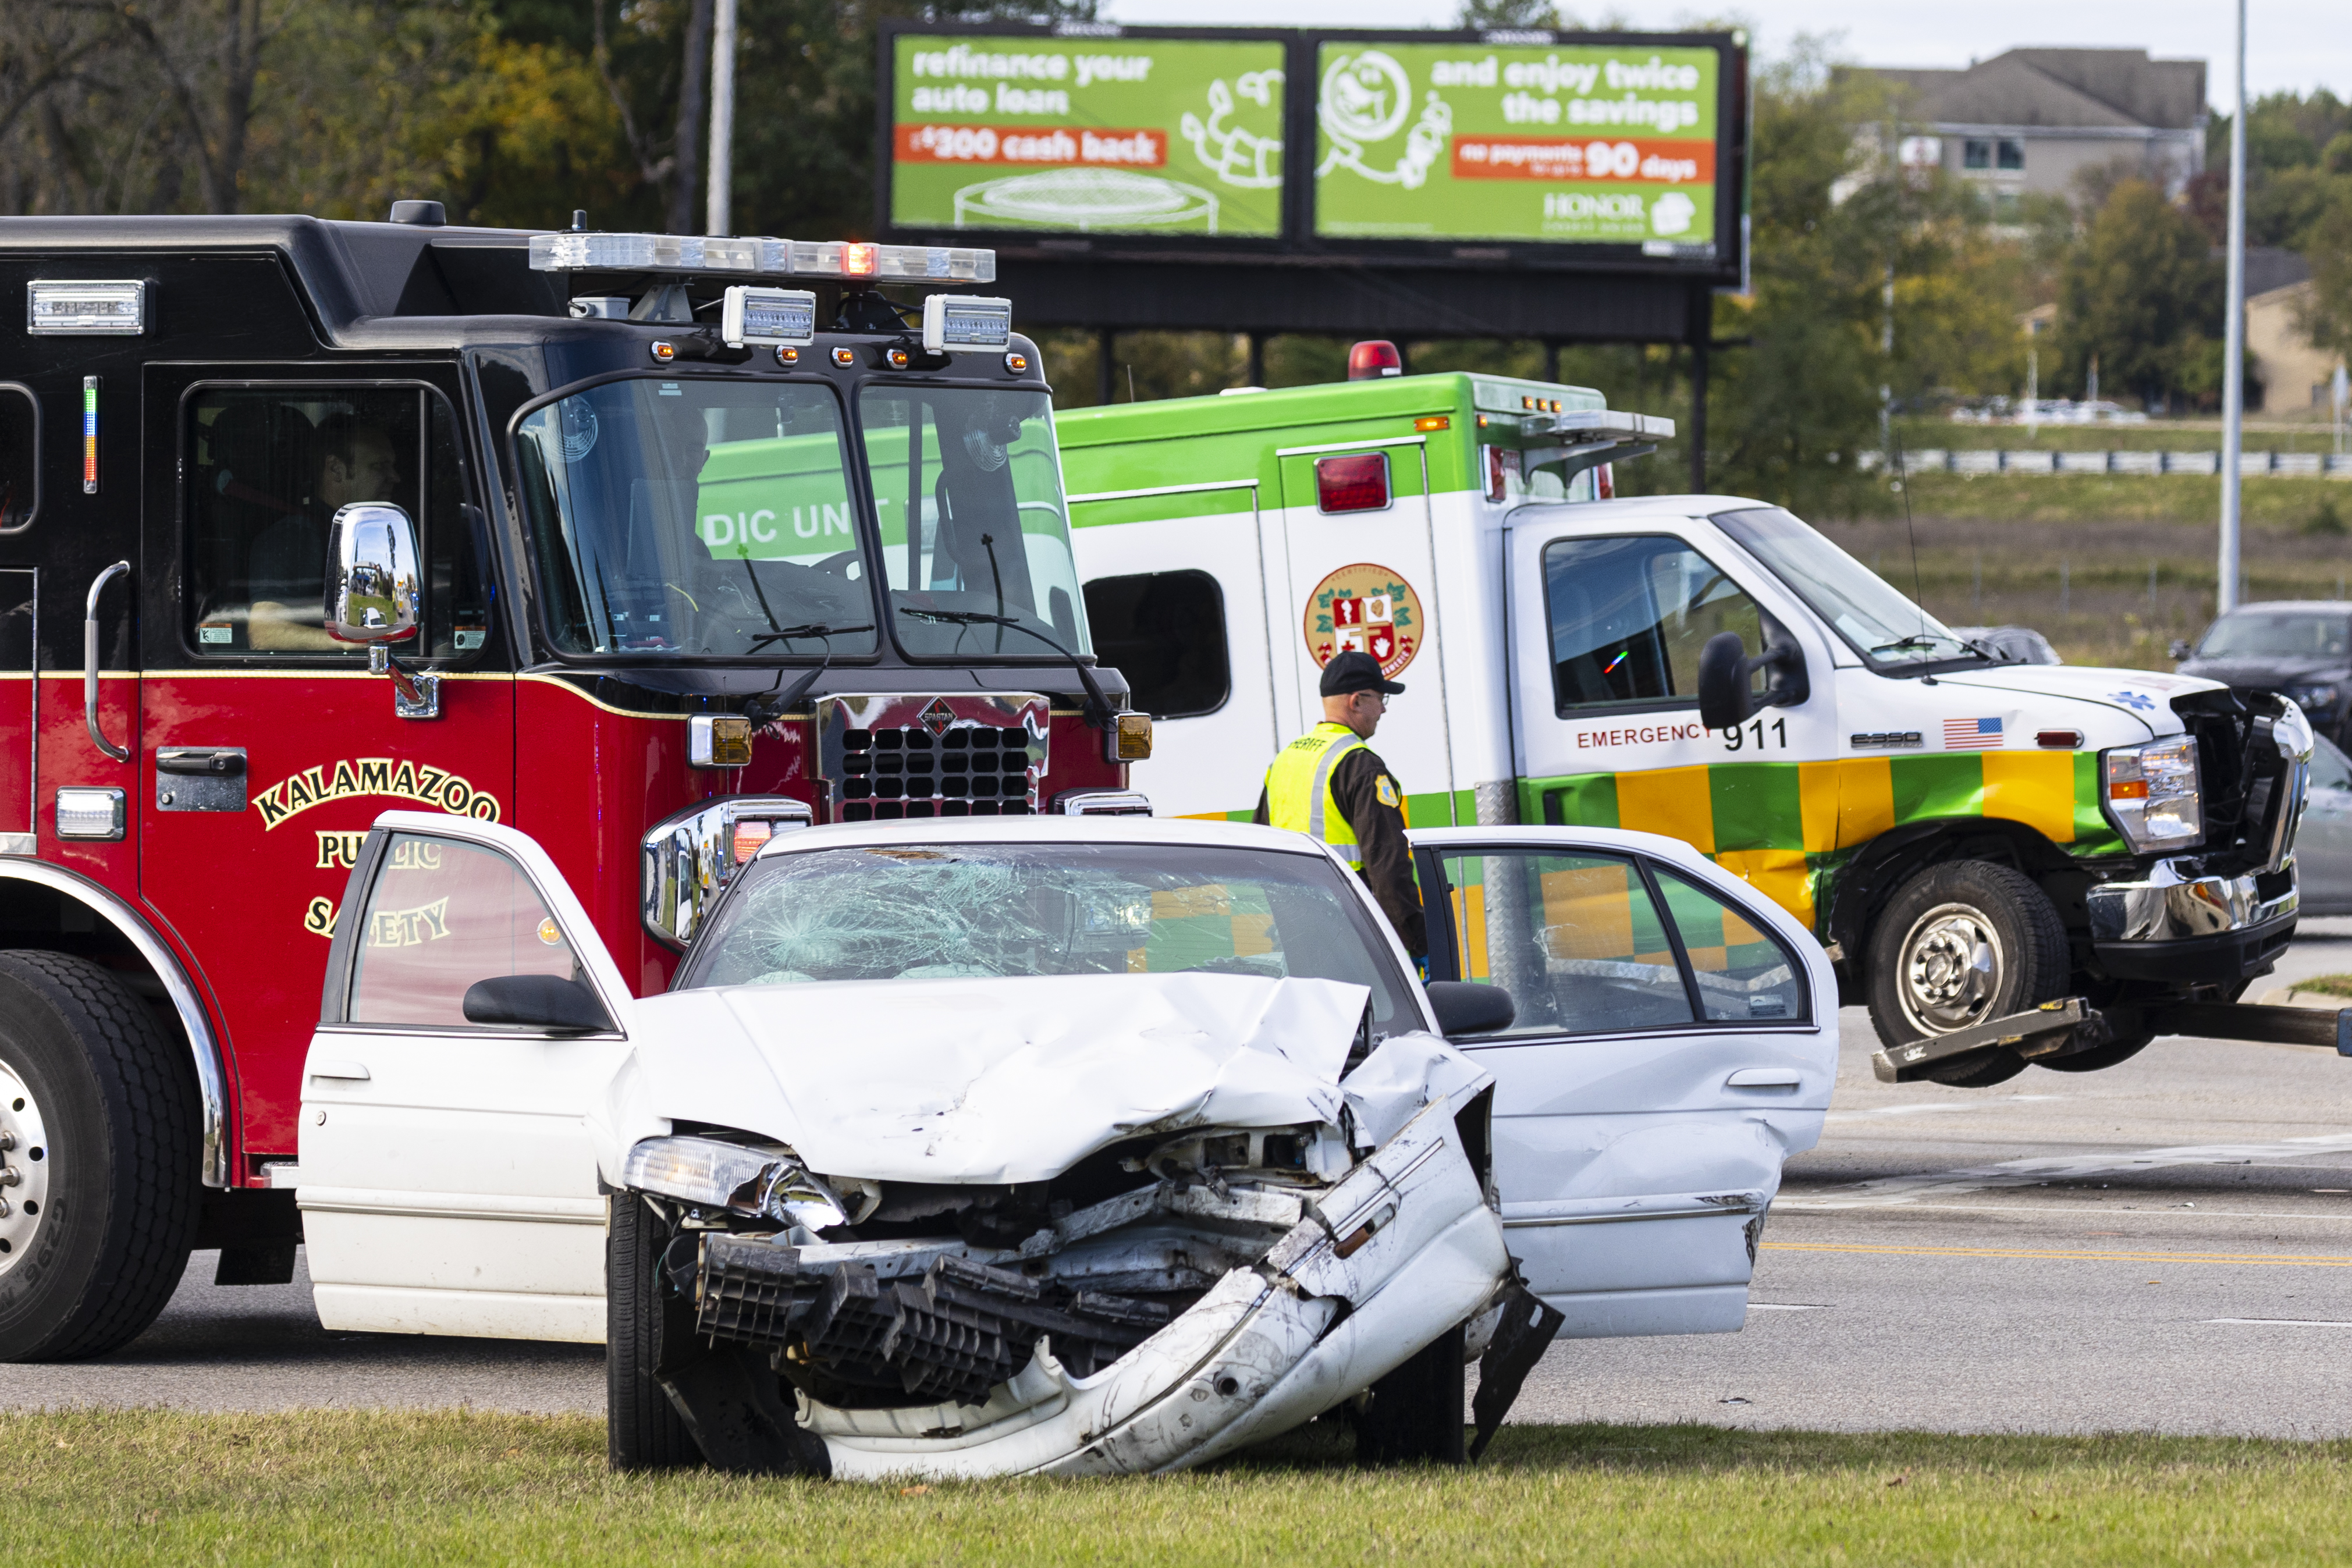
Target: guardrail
x=1965 y=460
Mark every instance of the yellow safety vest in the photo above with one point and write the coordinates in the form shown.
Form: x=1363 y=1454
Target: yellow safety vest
x=1298 y=788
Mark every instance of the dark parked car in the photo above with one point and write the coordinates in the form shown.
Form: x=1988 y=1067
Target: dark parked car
x=2303 y=648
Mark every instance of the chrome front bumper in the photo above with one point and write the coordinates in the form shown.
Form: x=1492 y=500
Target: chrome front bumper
x=2170 y=907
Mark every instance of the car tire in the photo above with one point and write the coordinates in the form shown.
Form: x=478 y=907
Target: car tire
x=101 y=1179
x=1959 y=944
x=642 y=1429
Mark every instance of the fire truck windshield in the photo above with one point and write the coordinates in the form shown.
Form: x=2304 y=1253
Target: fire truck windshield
x=985 y=533
x=697 y=517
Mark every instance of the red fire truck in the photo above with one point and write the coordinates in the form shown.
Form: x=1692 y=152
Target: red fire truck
x=651 y=546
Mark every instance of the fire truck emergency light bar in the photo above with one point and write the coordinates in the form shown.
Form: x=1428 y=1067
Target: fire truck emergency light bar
x=771 y=317
x=966 y=324
x=576 y=252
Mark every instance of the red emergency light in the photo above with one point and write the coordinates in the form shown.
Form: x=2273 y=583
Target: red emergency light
x=1356 y=483
x=1372 y=359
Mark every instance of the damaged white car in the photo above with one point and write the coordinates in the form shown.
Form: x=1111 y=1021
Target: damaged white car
x=1032 y=1146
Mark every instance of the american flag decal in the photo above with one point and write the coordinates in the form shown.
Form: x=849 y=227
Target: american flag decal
x=1972 y=735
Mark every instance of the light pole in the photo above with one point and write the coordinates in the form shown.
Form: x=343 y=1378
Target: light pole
x=718 y=217
x=2234 y=367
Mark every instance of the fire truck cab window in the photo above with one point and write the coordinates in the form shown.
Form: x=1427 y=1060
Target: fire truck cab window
x=269 y=467
x=440 y=916
x=1628 y=617
x=697 y=516
x=1165 y=631
x=968 y=493
x=19 y=474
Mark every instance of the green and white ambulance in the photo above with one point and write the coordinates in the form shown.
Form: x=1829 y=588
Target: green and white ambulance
x=2108 y=851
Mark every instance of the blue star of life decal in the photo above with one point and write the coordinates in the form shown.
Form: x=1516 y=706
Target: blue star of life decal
x=2139 y=700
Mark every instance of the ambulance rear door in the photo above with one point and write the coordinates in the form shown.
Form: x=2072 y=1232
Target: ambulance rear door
x=1610 y=606
x=1360 y=574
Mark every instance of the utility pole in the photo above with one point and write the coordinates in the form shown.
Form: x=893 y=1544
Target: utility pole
x=2234 y=365
x=719 y=215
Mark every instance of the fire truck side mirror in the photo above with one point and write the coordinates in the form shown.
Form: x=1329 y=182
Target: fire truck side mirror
x=374 y=578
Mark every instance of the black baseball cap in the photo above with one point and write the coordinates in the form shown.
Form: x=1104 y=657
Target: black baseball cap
x=1356 y=672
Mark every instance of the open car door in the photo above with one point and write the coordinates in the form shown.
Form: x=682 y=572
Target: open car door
x=471 y=1019
x=1676 y=1042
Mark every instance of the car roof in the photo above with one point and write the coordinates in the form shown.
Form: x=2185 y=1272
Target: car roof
x=1044 y=830
x=2308 y=606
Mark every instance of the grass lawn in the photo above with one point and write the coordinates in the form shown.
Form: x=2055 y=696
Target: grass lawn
x=348 y=1486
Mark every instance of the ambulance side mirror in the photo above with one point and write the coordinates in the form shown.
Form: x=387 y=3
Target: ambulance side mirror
x=374 y=578
x=1726 y=694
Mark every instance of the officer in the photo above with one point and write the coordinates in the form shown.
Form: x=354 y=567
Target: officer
x=1329 y=783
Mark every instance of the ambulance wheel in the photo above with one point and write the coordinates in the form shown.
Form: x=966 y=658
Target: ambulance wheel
x=99 y=1166
x=1957 y=945
x=642 y=1429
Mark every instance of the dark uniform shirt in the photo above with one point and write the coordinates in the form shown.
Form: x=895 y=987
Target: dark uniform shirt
x=1357 y=785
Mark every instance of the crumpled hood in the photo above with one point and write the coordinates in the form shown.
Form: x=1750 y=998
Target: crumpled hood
x=983 y=1080
x=2143 y=695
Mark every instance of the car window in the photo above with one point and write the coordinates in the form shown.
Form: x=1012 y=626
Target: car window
x=2330 y=769
x=1744 y=974
x=439 y=916
x=268 y=468
x=913 y=912
x=1576 y=939
x=2253 y=633
x=1628 y=617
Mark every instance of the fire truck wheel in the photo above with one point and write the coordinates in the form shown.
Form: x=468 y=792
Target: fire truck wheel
x=642 y=1429
x=1957 y=945
x=100 y=1182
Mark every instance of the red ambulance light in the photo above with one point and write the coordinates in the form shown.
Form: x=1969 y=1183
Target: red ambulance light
x=860 y=260
x=1373 y=359
x=1357 y=483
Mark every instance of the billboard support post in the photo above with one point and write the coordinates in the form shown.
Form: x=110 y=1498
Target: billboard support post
x=1103 y=357
x=1701 y=335
x=718 y=214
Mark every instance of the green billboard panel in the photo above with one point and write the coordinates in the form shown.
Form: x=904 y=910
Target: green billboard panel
x=1600 y=144
x=1093 y=135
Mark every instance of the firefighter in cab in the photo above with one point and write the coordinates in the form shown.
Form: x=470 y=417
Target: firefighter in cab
x=1329 y=784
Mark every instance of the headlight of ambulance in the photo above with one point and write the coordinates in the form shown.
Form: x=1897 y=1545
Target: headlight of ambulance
x=2152 y=795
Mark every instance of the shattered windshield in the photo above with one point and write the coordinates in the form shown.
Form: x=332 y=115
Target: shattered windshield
x=697 y=516
x=967 y=492
x=914 y=912
x=1871 y=615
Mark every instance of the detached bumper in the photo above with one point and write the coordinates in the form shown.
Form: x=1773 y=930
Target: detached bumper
x=2193 y=930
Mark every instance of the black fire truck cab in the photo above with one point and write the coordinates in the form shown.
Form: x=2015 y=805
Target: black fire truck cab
x=652 y=546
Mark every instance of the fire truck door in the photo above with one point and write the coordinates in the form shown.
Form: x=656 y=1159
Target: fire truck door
x=1663 y=1062
x=1359 y=555
x=19 y=820
x=267 y=745
x=447 y=1182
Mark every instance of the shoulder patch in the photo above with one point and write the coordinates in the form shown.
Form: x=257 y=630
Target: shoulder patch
x=1387 y=790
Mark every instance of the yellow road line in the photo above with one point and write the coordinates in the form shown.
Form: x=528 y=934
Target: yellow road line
x=2069 y=1257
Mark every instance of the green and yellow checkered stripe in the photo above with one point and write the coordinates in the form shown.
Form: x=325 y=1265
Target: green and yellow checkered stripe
x=1784 y=827
x=1197 y=924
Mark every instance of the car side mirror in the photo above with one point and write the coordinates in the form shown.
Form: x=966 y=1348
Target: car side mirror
x=1465 y=1006
x=2180 y=649
x=1726 y=694
x=374 y=581
x=536 y=1001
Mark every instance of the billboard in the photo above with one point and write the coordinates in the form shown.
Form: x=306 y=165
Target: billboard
x=1087 y=134
x=1608 y=152
x=1610 y=143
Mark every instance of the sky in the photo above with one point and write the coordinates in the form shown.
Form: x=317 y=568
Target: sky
x=2292 y=44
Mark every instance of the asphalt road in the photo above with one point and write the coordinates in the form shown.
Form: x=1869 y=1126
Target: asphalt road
x=2164 y=1246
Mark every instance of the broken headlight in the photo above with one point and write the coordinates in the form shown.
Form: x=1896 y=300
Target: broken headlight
x=2152 y=796
x=757 y=1182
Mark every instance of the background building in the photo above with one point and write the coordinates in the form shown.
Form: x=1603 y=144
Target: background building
x=2029 y=121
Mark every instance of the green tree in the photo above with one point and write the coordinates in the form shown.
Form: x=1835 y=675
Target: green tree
x=2141 y=293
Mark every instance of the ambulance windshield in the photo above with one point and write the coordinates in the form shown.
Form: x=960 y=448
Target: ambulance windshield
x=697 y=517
x=968 y=494
x=1872 y=615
